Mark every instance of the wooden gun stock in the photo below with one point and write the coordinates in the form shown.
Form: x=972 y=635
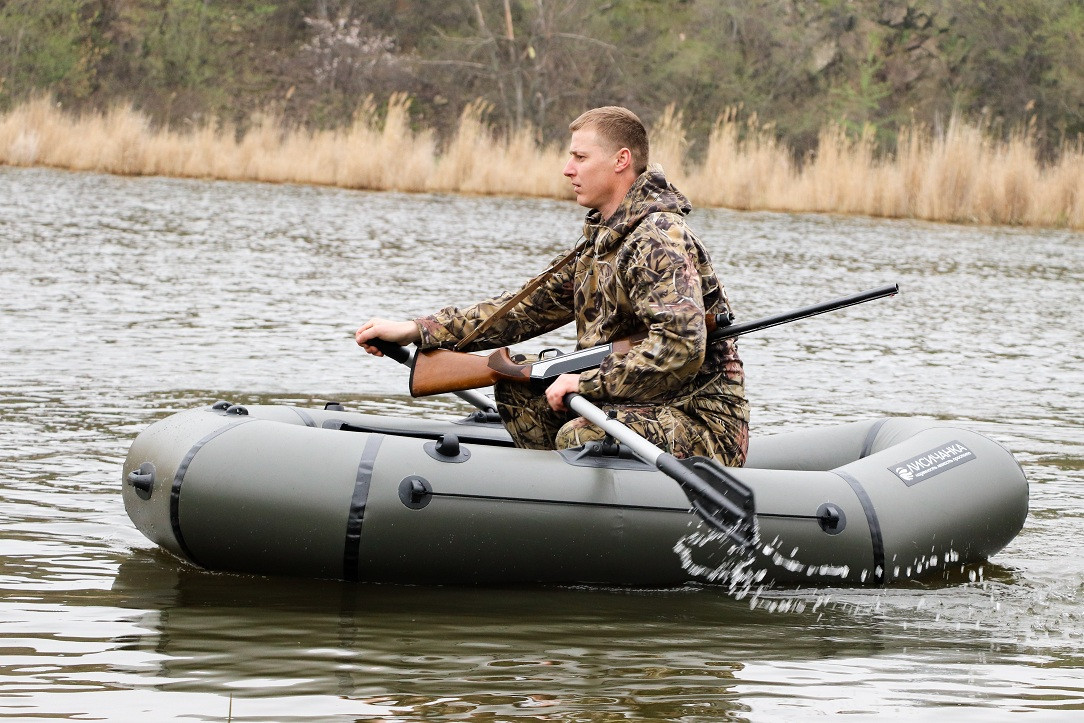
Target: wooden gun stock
x=436 y=371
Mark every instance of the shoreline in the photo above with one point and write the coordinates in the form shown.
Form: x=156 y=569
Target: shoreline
x=960 y=176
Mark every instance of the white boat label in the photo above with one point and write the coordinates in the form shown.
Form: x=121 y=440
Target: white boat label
x=928 y=464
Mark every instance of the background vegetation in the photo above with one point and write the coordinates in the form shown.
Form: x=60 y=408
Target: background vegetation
x=873 y=65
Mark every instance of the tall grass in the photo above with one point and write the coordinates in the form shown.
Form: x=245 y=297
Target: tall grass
x=377 y=151
x=960 y=174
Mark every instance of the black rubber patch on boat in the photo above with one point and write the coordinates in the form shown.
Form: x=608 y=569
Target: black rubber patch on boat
x=874 y=526
x=178 y=480
x=931 y=463
x=352 y=551
x=871 y=437
x=305 y=417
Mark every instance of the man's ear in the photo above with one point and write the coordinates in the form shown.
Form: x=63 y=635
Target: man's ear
x=623 y=160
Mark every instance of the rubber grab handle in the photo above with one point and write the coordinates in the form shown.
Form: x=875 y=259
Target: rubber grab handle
x=143 y=478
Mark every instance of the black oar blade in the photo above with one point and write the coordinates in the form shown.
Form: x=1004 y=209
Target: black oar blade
x=721 y=499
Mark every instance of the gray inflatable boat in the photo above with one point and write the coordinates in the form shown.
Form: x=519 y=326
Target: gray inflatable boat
x=335 y=494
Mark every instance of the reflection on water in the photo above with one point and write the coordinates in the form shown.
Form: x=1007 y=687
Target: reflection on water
x=128 y=299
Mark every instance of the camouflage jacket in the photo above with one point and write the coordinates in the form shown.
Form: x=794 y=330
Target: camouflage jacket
x=640 y=270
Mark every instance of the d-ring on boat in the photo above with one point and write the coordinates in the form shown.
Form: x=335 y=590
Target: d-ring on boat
x=331 y=493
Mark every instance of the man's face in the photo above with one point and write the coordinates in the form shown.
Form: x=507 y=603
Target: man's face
x=591 y=168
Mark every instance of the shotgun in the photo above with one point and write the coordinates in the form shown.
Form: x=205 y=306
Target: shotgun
x=436 y=371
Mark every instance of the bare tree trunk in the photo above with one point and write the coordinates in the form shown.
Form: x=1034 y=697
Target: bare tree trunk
x=514 y=66
x=494 y=61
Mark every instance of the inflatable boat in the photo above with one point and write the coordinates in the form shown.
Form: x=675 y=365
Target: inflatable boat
x=330 y=493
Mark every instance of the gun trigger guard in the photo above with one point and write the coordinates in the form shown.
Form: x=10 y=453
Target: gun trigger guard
x=556 y=353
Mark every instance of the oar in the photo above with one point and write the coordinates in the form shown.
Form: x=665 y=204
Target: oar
x=405 y=356
x=721 y=500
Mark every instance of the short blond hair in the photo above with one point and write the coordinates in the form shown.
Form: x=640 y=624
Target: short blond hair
x=620 y=128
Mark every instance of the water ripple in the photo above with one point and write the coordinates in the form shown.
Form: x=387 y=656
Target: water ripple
x=126 y=300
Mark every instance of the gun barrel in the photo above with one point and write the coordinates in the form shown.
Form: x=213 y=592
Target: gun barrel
x=727 y=331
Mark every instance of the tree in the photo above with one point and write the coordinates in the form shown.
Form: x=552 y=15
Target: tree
x=1024 y=59
x=47 y=44
x=531 y=60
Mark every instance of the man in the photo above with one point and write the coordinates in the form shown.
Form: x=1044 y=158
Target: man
x=639 y=269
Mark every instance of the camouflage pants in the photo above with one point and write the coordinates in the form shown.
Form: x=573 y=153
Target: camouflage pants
x=533 y=425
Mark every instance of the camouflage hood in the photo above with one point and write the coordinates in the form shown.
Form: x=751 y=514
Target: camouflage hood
x=651 y=193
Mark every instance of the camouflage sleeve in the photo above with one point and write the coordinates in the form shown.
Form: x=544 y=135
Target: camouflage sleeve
x=546 y=308
x=664 y=289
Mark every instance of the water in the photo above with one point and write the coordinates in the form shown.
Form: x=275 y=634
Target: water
x=124 y=300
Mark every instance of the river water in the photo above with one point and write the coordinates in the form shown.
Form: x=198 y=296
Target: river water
x=126 y=299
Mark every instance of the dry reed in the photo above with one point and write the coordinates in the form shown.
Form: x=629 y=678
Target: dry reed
x=959 y=175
